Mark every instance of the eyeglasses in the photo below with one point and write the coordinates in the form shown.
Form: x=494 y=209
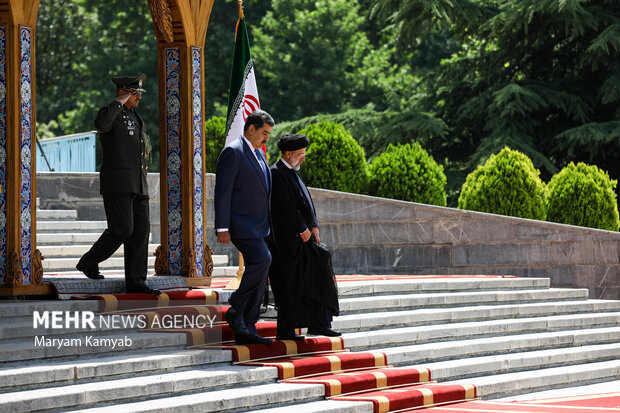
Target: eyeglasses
x=134 y=92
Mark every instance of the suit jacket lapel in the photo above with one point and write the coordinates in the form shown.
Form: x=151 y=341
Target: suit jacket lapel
x=252 y=158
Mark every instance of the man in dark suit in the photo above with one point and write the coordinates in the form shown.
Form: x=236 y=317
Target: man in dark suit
x=242 y=196
x=301 y=274
x=126 y=149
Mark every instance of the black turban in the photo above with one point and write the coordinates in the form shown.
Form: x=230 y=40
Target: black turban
x=292 y=142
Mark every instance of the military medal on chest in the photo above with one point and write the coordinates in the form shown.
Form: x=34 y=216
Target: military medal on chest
x=130 y=124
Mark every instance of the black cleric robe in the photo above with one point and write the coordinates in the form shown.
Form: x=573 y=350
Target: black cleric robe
x=300 y=272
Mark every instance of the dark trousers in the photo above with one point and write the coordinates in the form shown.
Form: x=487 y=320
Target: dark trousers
x=128 y=225
x=247 y=298
x=318 y=315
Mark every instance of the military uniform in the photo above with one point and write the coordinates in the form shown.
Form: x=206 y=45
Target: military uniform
x=126 y=148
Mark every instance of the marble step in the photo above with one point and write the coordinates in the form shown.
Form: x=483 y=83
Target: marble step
x=445 y=299
x=225 y=271
x=218 y=271
x=439 y=284
x=56 y=214
x=15 y=308
x=323 y=406
x=424 y=316
x=34 y=374
x=468 y=367
x=19 y=328
x=63 y=251
x=70 y=226
x=445 y=332
x=63 y=264
x=79 y=345
x=504 y=385
x=128 y=389
x=475 y=347
x=446 y=285
x=227 y=400
x=489 y=387
x=64 y=238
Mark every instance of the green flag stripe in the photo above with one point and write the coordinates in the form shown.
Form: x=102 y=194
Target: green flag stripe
x=241 y=66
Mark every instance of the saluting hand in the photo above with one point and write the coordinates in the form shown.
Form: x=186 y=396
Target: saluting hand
x=123 y=98
x=305 y=236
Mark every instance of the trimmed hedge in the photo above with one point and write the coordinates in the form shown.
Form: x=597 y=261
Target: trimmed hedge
x=215 y=130
x=334 y=159
x=583 y=195
x=407 y=172
x=507 y=184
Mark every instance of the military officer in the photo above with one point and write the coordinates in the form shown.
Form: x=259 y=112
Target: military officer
x=126 y=149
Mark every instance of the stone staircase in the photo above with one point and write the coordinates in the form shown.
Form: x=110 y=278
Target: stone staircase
x=62 y=240
x=506 y=336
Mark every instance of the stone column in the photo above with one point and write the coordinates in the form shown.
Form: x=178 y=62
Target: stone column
x=183 y=249
x=21 y=270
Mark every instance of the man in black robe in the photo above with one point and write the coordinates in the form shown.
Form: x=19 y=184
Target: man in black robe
x=301 y=274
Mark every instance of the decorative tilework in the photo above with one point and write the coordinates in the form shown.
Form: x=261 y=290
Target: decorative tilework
x=197 y=127
x=3 y=149
x=173 y=160
x=25 y=36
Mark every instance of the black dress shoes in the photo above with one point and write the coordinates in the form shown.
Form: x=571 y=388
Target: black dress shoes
x=91 y=272
x=323 y=331
x=290 y=336
x=251 y=339
x=235 y=321
x=143 y=290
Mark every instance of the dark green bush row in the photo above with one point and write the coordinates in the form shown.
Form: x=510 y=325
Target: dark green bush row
x=506 y=184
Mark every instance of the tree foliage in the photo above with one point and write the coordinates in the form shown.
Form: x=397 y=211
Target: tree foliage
x=80 y=44
x=507 y=184
x=215 y=139
x=334 y=159
x=540 y=76
x=407 y=172
x=372 y=129
x=219 y=49
x=312 y=57
x=583 y=195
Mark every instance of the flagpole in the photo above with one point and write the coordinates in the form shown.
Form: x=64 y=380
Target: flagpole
x=236 y=281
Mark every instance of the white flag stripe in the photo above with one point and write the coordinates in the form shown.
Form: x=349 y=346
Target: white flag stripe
x=248 y=103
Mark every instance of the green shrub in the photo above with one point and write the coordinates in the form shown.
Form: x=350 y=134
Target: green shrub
x=335 y=160
x=215 y=138
x=507 y=184
x=409 y=173
x=583 y=195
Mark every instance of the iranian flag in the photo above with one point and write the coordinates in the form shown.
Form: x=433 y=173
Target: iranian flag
x=242 y=93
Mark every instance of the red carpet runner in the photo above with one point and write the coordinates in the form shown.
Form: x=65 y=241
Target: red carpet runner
x=346 y=375
x=601 y=403
x=359 y=376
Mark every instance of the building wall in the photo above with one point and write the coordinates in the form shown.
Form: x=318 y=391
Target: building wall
x=371 y=235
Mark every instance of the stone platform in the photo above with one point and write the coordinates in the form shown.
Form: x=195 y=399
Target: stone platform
x=509 y=337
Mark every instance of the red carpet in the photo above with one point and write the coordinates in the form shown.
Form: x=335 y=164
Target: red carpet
x=356 y=381
x=120 y=302
x=607 y=400
x=408 y=397
x=480 y=406
x=324 y=360
x=279 y=349
x=296 y=366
